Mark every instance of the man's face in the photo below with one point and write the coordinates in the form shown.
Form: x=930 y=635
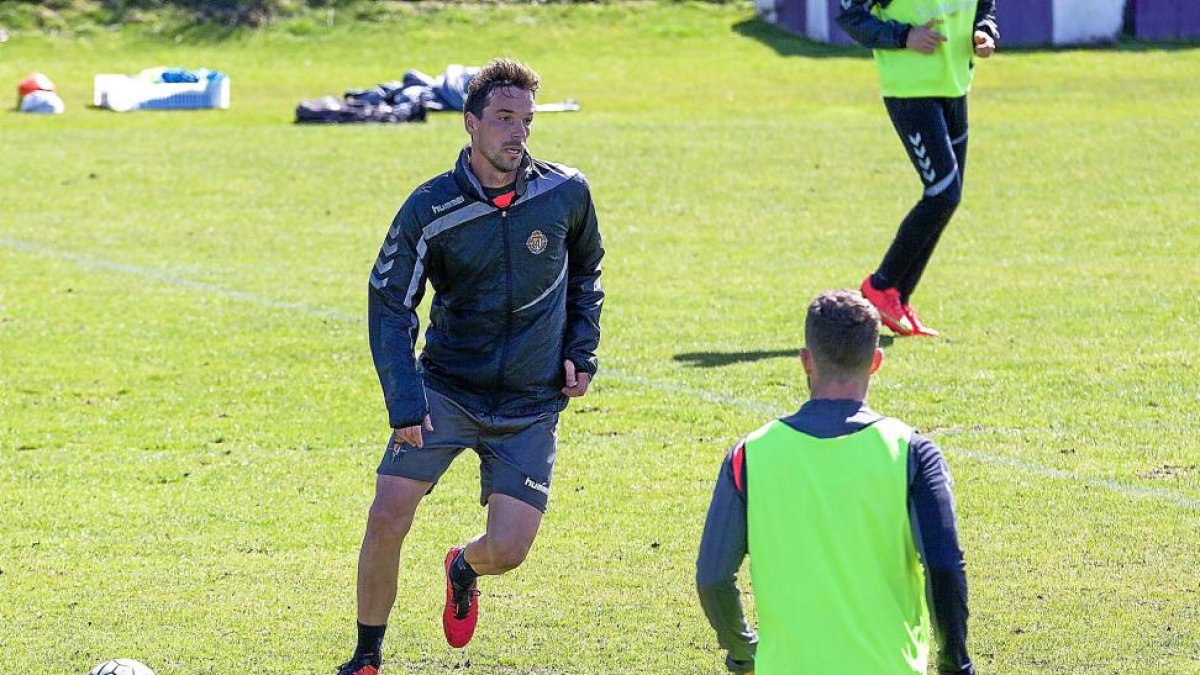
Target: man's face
x=500 y=134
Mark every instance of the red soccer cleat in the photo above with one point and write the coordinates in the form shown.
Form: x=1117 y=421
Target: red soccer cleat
x=891 y=311
x=462 y=608
x=919 y=328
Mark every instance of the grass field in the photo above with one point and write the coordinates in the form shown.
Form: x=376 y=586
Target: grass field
x=191 y=419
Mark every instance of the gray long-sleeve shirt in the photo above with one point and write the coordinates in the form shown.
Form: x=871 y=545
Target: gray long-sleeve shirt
x=723 y=545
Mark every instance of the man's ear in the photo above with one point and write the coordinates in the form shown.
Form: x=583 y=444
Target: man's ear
x=806 y=358
x=469 y=122
x=877 y=360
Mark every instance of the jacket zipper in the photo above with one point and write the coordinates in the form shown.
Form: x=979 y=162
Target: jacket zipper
x=507 y=309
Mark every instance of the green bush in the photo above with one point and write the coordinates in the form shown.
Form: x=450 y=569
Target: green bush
x=56 y=15
x=237 y=12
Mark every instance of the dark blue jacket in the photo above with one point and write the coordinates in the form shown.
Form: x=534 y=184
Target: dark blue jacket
x=516 y=291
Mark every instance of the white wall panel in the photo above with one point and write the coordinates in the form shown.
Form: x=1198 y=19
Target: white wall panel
x=1078 y=21
x=817 y=20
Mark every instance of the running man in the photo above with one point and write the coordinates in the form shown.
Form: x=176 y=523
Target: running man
x=512 y=250
x=849 y=522
x=925 y=52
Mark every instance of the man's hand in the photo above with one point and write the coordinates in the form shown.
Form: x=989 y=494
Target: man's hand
x=985 y=46
x=577 y=384
x=924 y=38
x=411 y=435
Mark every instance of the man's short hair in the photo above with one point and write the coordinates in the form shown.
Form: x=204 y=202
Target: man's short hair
x=498 y=74
x=841 y=332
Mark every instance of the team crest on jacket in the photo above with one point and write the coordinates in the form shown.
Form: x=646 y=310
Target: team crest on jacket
x=536 y=242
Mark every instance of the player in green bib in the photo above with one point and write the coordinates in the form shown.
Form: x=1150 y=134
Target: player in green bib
x=925 y=51
x=848 y=519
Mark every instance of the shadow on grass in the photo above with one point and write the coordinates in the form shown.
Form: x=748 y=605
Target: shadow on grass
x=790 y=44
x=719 y=359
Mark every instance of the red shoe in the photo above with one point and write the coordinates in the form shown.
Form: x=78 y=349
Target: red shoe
x=919 y=328
x=891 y=311
x=462 y=608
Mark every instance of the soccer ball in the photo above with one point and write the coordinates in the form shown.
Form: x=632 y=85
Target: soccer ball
x=121 y=667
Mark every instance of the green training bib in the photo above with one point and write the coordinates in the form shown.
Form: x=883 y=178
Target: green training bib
x=837 y=581
x=904 y=73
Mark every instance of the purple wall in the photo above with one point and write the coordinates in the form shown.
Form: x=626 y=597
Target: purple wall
x=1030 y=22
x=1025 y=22
x=1166 y=19
x=1022 y=22
x=837 y=36
x=790 y=15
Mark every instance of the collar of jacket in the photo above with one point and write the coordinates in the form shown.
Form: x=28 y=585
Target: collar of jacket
x=470 y=183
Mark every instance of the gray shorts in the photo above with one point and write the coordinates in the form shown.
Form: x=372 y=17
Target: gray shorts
x=516 y=454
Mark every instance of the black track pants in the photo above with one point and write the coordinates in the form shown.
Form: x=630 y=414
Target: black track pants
x=934 y=133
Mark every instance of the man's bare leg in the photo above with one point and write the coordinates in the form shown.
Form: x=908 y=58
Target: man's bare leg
x=512 y=526
x=388 y=522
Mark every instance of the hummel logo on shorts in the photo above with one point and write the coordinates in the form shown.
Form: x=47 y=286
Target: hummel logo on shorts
x=544 y=489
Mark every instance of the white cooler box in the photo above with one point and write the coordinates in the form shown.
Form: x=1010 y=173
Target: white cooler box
x=123 y=93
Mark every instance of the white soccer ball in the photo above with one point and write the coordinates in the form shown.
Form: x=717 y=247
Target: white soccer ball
x=121 y=667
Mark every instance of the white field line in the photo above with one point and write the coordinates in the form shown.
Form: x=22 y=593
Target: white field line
x=749 y=405
x=171 y=279
x=1023 y=466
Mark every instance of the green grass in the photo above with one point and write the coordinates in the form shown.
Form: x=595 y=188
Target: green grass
x=190 y=419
